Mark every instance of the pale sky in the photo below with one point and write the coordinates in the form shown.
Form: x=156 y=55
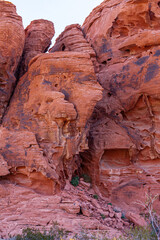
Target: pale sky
x=60 y=12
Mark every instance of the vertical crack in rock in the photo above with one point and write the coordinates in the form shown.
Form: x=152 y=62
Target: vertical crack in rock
x=38 y=36
x=153 y=128
x=73 y=39
x=11 y=47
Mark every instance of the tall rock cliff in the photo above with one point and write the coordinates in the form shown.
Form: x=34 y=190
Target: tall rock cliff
x=45 y=103
x=124 y=151
x=90 y=105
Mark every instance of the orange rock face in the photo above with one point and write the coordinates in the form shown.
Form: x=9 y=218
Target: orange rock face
x=73 y=39
x=38 y=37
x=57 y=113
x=44 y=124
x=44 y=118
x=21 y=207
x=57 y=122
x=11 y=47
x=23 y=163
x=120 y=29
x=124 y=135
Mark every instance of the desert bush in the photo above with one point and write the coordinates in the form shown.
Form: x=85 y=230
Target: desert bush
x=95 y=196
x=137 y=233
x=55 y=233
x=75 y=181
x=153 y=217
x=140 y=233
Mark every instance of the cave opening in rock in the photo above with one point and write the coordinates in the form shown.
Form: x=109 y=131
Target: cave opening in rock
x=63 y=47
x=115 y=158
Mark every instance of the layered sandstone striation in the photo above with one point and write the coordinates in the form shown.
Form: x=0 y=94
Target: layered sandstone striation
x=73 y=39
x=38 y=36
x=11 y=48
x=124 y=151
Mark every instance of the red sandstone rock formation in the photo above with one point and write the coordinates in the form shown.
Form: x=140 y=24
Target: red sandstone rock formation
x=38 y=36
x=73 y=39
x=52 y=103
x=119 y=29
x=44 y=133
x=21 y=207
x=11 y=47
x=124 y=153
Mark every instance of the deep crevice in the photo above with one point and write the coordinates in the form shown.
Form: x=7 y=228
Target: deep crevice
x=63 y=47
x=109 y=94
x=84 y=35
x=9 y=101
x=13 y=88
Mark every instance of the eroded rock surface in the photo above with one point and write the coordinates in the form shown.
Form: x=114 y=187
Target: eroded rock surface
x=11 y=48
x=44 y=122
x=73 y=39
x=53 y=101
x=38 y=36
x=22 y=161
x=120 y=29
x=21 y=207
x=123 y=156
x=58 y=118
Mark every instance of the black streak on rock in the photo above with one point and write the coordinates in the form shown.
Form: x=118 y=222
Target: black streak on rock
x=66 y=94
x=141 y=60
x=157 y=53
x=46 y=82
x=152 y=71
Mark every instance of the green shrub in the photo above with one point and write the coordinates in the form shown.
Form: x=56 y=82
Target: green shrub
x=103 y=216
x=123 y=216
x=140 y=233
x=95 y=196
x=75 y=181
x=109 y=203
x=55 y=233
